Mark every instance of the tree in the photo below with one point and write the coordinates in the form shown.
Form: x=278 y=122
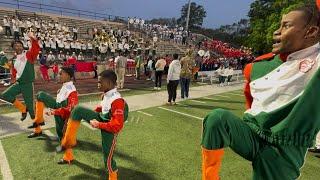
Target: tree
x=197 y=14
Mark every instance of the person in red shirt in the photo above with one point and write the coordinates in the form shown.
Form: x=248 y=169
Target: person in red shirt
x=109 y=117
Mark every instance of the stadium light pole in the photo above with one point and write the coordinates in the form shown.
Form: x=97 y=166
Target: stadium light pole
x=188 y=16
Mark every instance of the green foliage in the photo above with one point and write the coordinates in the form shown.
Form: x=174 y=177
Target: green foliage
x=197 y=14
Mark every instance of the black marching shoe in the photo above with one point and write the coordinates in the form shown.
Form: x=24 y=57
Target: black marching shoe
x=62 y=162
x=24 y=116
x=33 y=135
x=34 y=125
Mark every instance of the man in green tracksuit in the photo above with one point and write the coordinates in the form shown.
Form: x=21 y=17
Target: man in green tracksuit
x=24 y=75
x=109 y=117
x=283 y=117
x=138 y=61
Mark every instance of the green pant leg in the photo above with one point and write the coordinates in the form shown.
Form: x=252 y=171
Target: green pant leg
x=108 y=148
x=278 y=162
x=223 y=129
x=47 y=99
x=81 y=113
x=11 y=93
x=27 y=93
x=59 y=126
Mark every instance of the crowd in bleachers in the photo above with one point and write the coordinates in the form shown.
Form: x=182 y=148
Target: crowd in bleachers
x=176 y=34
x=58 y=38
x=213 y=54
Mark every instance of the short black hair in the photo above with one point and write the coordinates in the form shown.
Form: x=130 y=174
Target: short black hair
x=110 y=75
x=68 y=70
x=311 y=12
x=175 y=56
x=16 y=42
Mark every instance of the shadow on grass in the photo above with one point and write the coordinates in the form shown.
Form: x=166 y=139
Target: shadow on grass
x=123 y=173
x=130 y=174
x=207 y=107
x=223 y=101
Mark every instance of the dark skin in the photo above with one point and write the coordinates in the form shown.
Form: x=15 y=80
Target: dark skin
x=64 y=77
x=294 y=34
x=104 y=85
x=18 y=47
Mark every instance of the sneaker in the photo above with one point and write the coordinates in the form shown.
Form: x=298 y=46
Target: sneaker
x=7 y=84
x=159 y=88
x=3 y=82
x=155 y=88
x=169 y=104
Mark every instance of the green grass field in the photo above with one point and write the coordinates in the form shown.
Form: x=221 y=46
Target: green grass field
x=163 y=146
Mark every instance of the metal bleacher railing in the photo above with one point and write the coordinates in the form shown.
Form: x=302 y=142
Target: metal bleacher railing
x=63 y=11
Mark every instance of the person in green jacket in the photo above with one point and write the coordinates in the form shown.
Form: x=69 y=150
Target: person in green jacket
x=282 y=118
x=4 y=69
x=138 y=61
x=24 y=74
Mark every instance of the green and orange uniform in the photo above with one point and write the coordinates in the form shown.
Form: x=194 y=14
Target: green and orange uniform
x=23 y=71
x=67 y=99
x=112 y=113
x=281 y=121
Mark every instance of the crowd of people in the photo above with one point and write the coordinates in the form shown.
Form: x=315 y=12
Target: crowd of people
x=55 y=36
x=176 y=34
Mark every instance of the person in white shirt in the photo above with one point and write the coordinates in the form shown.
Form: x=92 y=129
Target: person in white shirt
x=67 y=46
x=73 y=46
x=84 y=48
x=37 y=24
x=15 y=28
x=61 y=57
x=22 y=27
x=78 y=47
x=80 y=57
x=229 y=73
x=75 y=33
x=120 y=69
x=53 y=45
x=221 y=74
x=160 y=64
x=60 y=44
x=51 y=58
x=90 y=48
x=173 y=79
x=103 y=50
x=28 y=23
x=6 y=25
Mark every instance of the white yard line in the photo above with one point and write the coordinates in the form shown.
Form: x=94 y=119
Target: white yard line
x=201 y=102
x=145 y=113
x=209 y=98
x=88 y=125
x=180 y=113
x=216 y=95
x=4 y=165
x=235 y=94
x=51 y=136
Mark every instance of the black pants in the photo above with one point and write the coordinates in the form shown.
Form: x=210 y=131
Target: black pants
x=158 y=78
x=229 y=78
x=16 y=35
x=22 y=31
x=8 y=31
x=172 y=90
x=75 y=36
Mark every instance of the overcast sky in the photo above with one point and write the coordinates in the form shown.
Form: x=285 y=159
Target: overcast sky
x=219 y=12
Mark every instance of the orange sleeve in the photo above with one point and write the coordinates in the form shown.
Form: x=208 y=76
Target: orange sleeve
x=116 y=122
x=32 y=54
x=72 y=102
x=247 y=93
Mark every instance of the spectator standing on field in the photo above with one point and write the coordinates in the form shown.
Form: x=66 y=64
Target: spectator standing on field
x=173 y=79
